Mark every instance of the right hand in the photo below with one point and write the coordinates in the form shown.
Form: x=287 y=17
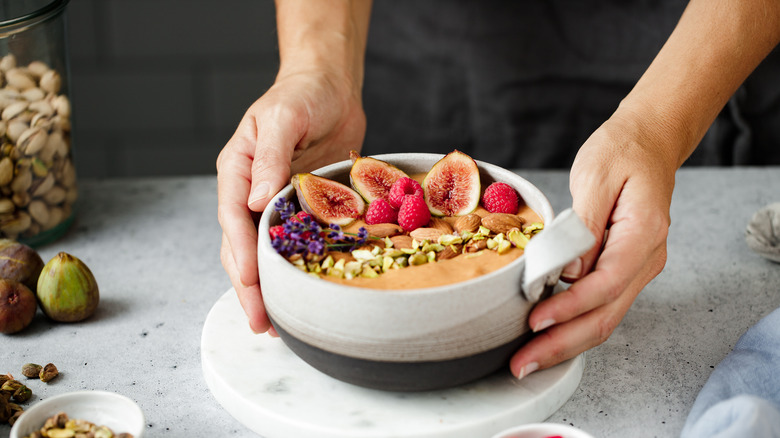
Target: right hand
x=307 y=119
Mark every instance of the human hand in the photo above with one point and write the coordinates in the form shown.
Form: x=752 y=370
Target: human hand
x=306 y=120
x=621 y=184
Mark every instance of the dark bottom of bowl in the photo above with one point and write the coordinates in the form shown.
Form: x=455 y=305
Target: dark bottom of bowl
x=404 y=376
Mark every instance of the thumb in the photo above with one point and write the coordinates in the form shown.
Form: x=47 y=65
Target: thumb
x=271 y=165
x=593 y=201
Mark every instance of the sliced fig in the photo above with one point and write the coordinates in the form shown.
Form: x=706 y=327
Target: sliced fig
x=330 y=202
x=452 y=186
x=373 y=178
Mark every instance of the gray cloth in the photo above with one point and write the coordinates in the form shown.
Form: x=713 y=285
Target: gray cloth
x=763 y=232
x=522 y=84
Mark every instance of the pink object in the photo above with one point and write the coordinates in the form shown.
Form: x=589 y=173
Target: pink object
x=500 y=198
x=403 y=187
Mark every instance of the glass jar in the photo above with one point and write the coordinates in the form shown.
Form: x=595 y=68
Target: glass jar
x=37 y=174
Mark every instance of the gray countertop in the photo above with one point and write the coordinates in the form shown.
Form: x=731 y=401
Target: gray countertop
x=153 y=245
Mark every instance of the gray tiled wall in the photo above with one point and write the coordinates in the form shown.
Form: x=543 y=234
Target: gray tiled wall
x=158 y=86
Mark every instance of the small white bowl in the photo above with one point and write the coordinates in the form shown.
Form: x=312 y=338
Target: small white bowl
x=543 y=430
x=109 y=409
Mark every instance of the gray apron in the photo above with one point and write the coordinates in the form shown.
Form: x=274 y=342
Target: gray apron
x=522 y=84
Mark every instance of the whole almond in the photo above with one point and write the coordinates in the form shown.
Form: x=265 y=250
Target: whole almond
x=384 y=230
x=469 y=222
x=440 y=224
x=401 y=241
x=429 y=234
x=502 y=222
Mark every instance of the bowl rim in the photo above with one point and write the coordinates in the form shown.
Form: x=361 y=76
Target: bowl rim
x=264 y=240
x=100 y=398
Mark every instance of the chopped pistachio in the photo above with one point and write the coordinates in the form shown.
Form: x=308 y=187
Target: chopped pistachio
x=388 y=242
x=450 y=239
x=483 y=230
x=431 y=256
x=367 y=272
x=327 y=263
x=418 y=258
x=392 y=252
x=534 y=228
x=519 y=239
x=352 y=269
x=387 y=263
x=363 y=254
x=504 y=246
x=436 y=247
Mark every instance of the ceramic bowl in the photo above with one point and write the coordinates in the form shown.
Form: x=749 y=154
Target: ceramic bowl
x=402 y=340
x=543 y=430
x=115 y=411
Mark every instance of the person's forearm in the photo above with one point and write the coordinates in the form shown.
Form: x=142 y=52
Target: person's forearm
x=713 y=49
x=325 y=35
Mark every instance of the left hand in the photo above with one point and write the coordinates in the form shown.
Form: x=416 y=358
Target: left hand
x=621 y=184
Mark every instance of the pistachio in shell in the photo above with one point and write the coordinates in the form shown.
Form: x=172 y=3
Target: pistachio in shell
x=67 y=290
x=17 y=306
x=20 y=263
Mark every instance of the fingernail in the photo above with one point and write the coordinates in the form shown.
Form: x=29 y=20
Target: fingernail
x=259 y=192
x=573 y=269
x=528 y=369
x=544 y=324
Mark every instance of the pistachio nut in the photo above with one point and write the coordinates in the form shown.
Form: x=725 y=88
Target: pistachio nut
x=15 y=109
x=21 y=199
x=41 y=107
x=6 y=171
x=34 y=94
x=32 y=141
x=7 y=206
x=39 y=211
x=43 y=186
x=37 y=68
x=48 y=372
x=61 y=105
x=7 y=62
x=3 y=128
x=15 y=129
x=51 y=82
x=23 y=394
x=15 y=224
x=22 y=181
x=19 y=78
x=31 y=370
x=55 y=196
x=55 y=218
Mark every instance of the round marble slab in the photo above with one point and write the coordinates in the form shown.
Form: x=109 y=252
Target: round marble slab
x=261 y=383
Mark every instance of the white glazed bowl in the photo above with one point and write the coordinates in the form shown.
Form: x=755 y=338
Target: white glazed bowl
x=99 y=407
x=543 y=430
x=413 y=339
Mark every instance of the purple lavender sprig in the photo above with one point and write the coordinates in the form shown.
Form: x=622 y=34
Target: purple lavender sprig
x=304 y=236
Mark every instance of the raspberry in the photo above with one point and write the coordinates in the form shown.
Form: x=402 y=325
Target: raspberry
x=301 y=215
x=277 y=231
x=500 y=198
x=404 y=186
x=413 y=213
x=381 y=212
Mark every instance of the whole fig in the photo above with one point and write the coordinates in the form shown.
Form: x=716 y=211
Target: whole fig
x=19 y=262
x=17 y=306
x=67 y=290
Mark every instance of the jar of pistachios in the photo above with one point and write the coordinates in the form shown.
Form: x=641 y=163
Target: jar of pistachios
x=37 y=175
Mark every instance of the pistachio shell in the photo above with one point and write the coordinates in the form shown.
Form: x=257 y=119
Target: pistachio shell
x=33 y=94
x=42 y=107
x=22 y=181
x=55 y=217
x=6 y=206
x=19 y=79
x=32 y=141
x=16 y=224
x=15 y=109
x=15 y=129
x=39 y=211
x=51 y=82
x=37 y=68
x=7 y=62
x=61 y=105
x=55 y=196
x=44 y=186
x=6 y=171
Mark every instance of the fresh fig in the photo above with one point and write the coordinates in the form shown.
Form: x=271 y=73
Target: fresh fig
x=67 y=290
x=330 y=202
x=373 y=178
x=17 y=306
x=452 y=186
x=19 y=262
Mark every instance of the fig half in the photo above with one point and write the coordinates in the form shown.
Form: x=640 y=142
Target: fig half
x=330 y=202
x=373 y=178
x=452 y=186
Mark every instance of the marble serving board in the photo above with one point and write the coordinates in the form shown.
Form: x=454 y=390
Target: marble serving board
x=262 y=384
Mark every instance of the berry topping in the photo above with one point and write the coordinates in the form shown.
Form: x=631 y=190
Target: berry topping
x=413 y=213
x=404 y=186
x=500 y=198
x=277 y=231
x=381 y=212
x=301 y=215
